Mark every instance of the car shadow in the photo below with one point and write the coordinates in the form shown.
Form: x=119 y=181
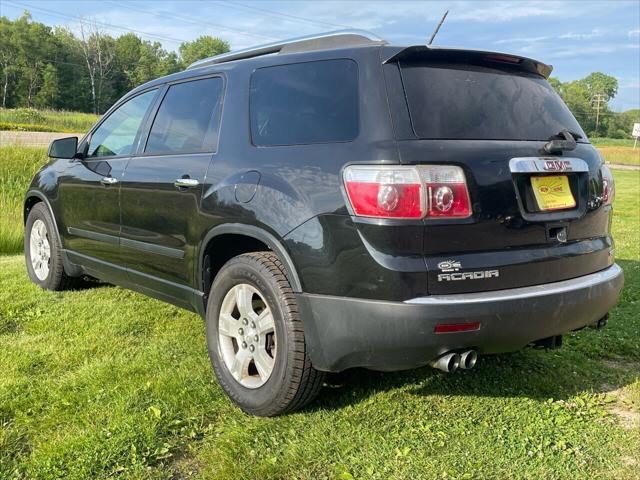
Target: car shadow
x=88 y=283
x=523 y=374
x=591 y=360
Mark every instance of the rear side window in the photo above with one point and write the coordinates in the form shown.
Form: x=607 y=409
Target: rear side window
x=313 y=102
x=475 y=102
x=188 y=118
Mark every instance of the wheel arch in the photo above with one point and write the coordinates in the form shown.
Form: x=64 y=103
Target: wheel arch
x=259 y=237
x=33 y=198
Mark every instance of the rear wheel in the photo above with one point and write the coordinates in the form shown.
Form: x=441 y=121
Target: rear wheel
x=255 y=337
x=43 y=252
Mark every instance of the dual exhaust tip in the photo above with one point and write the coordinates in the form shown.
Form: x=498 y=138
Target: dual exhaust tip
x=450 y=362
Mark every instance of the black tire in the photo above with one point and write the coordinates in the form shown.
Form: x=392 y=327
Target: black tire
x=56 y=279
x=293 y=381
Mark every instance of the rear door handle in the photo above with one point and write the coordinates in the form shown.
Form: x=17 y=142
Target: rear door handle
x=186 y=183
x=108 y=181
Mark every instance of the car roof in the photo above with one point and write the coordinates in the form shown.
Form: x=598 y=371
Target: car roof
x=345 y=40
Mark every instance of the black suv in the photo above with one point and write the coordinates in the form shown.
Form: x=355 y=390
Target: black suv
x=335 y=202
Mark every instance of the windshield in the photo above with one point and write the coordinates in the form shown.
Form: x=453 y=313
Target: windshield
x=471 y=102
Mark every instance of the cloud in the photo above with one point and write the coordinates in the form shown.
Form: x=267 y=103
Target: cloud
x=634 y=33
x=592 y=50
x=582 y=36
x=508 y=11
x=522 y=40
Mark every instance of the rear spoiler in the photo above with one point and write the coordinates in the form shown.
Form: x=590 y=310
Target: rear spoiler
x=399 y=54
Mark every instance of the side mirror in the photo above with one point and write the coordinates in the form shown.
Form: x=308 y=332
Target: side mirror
x=64 y=148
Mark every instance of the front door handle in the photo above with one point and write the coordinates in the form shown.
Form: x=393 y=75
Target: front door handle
x=186 y=183
x=108 y=181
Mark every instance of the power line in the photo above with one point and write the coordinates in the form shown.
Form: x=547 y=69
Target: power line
x=103 y=24
x=283 y=15
x=172 y=16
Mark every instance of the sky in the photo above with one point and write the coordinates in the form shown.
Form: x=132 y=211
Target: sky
x=577 y=37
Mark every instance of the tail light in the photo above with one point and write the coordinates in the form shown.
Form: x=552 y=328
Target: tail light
x=608 y=186
x=447 y=194
x=438 y=191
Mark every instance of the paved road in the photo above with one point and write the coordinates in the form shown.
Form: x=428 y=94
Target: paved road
x=623 y=167
x=32 y=139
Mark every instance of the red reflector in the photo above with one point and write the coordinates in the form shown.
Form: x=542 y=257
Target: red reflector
x=456 y=327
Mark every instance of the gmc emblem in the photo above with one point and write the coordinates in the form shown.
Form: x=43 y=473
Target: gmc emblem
x=557 y=165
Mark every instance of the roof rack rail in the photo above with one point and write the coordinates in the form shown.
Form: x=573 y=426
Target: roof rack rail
x=319 y=41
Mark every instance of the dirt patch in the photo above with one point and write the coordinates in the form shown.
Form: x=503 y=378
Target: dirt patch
x=622 y=407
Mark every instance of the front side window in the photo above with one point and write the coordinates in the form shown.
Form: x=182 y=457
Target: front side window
x=302 y=103
x=188 y=118
x=117 y=134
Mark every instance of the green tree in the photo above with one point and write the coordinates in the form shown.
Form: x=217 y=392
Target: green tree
x=8 y=57
x=52 y=67
x=33 y=44
x=202 y=47
x=621 y=125
x=47 y=96
x=598 y=82
x=581 y=96
x=555 y=83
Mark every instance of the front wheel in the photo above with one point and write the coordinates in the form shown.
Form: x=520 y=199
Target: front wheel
x=255 y=337
x=43 y=252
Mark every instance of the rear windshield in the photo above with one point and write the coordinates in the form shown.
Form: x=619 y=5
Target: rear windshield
x=478 y=103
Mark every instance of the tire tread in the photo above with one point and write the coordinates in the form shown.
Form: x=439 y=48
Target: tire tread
x=305 y=382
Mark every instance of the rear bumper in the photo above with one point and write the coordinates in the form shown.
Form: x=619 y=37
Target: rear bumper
x=344 y=332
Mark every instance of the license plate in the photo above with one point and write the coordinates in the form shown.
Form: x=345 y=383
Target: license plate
x=553 y=192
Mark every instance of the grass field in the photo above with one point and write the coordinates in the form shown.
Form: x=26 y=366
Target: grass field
x=621 y=155
x=611 y=142
x=103 y=382
x=17 y=167
x=29 y=119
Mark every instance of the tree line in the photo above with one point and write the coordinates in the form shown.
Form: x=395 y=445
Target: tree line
x=588 y=100
x=46 y=67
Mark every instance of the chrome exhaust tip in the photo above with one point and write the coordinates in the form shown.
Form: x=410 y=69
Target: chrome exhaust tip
x=449 y=362
x=468 y=359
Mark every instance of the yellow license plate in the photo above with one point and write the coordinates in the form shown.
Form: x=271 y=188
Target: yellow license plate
x=553 y=192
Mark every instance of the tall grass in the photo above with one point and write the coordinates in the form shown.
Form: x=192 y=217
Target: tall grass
x=30 y=119
x=17 y=167
x=621 y=155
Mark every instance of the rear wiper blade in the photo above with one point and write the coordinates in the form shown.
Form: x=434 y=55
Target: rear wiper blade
x=565 y=140
x=575 y=135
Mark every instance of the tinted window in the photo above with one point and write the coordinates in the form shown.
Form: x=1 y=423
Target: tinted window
x=315 y=102
x=117 y=134
x=188 y=118
x=475 y=102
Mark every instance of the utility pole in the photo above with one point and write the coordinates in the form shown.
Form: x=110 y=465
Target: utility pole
x=597 y=100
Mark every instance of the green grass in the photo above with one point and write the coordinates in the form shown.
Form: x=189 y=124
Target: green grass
x=611 y=142
x=29 y=119
x=103 y=382
x=17 y=167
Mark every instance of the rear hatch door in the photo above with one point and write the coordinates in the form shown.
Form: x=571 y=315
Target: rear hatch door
x=537 y=216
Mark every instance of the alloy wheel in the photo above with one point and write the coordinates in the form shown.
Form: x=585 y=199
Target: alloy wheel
x=246 y=336
x=40 y=249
